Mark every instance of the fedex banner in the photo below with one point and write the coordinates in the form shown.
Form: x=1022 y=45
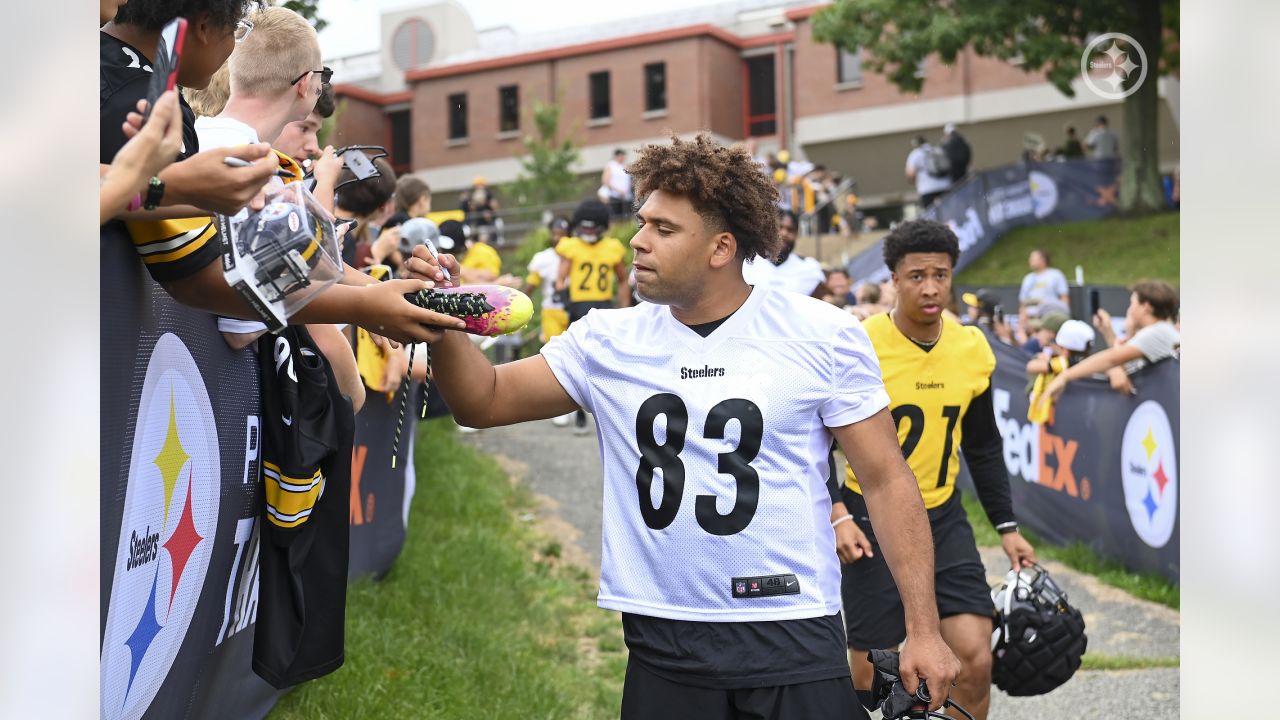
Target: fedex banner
x=1105 y=470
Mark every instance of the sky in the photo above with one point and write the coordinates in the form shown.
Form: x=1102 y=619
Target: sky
x=353 y=24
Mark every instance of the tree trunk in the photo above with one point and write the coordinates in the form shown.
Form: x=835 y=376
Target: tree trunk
x=1141 y=190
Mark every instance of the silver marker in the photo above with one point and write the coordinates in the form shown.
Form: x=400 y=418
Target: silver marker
x=431 y=248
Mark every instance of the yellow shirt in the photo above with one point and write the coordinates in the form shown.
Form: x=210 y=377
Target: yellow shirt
x=929 y=393
x=591 y=275
x=482 y=256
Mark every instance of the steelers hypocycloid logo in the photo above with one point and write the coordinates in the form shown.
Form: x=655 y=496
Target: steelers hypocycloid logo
x=166 y=531
x=1149 y=467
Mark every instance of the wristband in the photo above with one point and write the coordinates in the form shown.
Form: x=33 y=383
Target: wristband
x=842 y=518
x=1006 y=528
x=155 y=191
x=135 y=203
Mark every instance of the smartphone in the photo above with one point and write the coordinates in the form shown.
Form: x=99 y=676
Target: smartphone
x=164 y=64
x=1094 y=303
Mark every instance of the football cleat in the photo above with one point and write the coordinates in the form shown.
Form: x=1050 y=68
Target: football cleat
x=488 y=310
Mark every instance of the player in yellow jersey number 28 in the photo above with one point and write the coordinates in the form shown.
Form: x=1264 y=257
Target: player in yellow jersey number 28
x=938 y=376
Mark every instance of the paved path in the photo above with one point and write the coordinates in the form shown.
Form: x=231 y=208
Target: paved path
x=565 y=469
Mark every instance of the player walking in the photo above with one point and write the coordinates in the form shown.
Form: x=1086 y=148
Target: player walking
x=715 y=405
x=938 y=375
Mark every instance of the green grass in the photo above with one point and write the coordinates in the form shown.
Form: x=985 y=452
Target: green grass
x=1124 y=662
x=1116 y=251
x=478 y=618
x=1078 y=556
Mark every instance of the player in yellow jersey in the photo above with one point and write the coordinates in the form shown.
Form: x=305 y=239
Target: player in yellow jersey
x=592 y=273
x=938 y=376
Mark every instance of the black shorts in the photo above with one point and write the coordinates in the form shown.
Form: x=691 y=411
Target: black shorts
x=579 y=310
x=873 y=612
x=646 y=696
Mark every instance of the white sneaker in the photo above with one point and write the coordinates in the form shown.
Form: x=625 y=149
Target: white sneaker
x=563 y=420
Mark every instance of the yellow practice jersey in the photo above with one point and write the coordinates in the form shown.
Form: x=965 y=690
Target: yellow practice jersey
x=929 y=393
x=591 y=274
x=482 y=256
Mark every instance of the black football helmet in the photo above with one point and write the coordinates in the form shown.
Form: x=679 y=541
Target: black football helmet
x=1039 y=638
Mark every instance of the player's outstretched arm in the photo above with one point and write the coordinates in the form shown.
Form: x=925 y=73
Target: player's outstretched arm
x=481 y=395
x=897 y=513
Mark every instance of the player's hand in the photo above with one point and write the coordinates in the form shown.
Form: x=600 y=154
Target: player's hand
x=383 y=309
x=851 y=543
x=205 y=181
x=1020 y=552
x=926 y=657
x=422 y=266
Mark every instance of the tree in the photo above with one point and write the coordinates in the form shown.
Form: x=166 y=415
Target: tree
x=1048 y=35
x=546 y=169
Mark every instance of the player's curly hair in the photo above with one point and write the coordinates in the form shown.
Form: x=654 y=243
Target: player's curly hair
x=920 y=236
x=155 y=14
x=724 y=184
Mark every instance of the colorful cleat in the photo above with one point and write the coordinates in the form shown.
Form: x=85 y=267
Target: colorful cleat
x=488 y=310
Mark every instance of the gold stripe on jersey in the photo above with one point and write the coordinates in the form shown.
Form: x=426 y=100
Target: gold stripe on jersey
x=929 y=393
x=591 y=267
x=163 y=241
x=290 y=499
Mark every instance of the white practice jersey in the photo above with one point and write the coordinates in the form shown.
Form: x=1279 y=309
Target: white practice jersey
x=546 y=263
x=715 y=452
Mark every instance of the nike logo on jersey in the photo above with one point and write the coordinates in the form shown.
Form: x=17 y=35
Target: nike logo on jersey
x=929 y=385
x=287 y=419
x=705 y=371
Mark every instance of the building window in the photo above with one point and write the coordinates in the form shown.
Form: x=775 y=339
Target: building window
x=509 y=108
x=655 y=87
x=458 y=116
x=762 y=98
x=600 y=95
x=848 y=66
x=401 y=140
x=920 y=67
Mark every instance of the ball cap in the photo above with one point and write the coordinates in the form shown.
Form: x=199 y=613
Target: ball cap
x=985 y=300
x=1074 y=335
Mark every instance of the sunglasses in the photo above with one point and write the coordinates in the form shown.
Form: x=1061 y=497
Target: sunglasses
x=326 y=74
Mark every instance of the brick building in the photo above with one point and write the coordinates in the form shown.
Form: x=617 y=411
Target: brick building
x=451 y=102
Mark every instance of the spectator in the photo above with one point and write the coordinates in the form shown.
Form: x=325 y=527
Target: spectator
x=869 y=300
x=479 y=205
x=367 y=202
x=788 y=271
x=1071 y=149
x=1153 y=308
x=615 y=185
x=959 y=154
x=1102 y=141
x=985 y=311
x=300 y=140
x=839 y=291
x=928 y=167
x=413 y=196
x=1043 y=330
x=1044 y=283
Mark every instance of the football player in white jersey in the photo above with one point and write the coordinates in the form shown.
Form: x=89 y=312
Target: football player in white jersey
x=716 y=403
